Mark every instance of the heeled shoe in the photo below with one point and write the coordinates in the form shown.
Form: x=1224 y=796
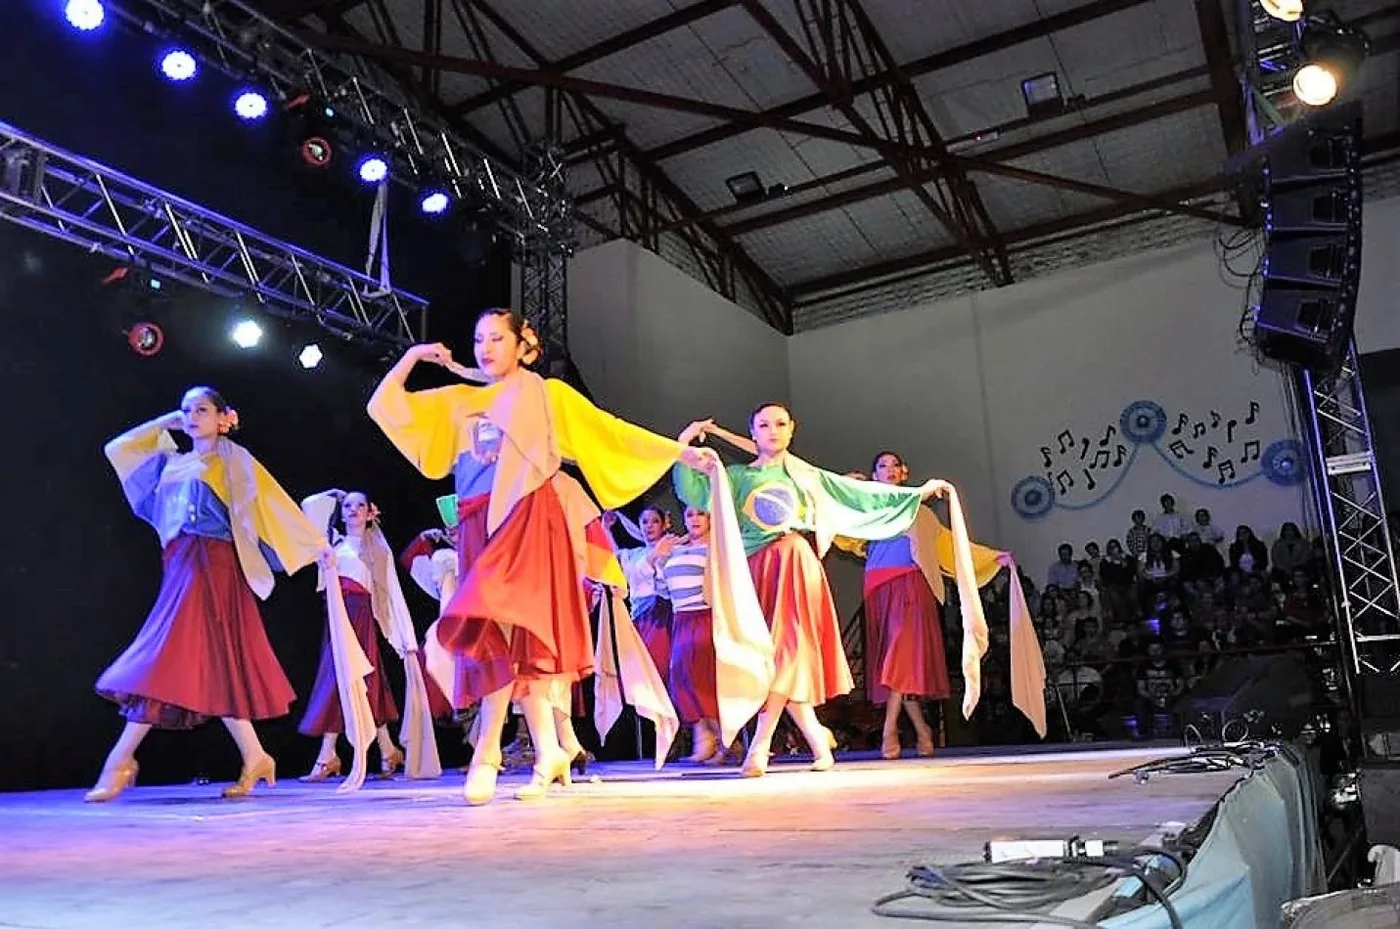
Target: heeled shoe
x=391 y=763
x=924 y=745
x=110 y=785
x=824 y=762
x=264 y=769
x=480 y=787
x=578 y=764
x=755 y=764
x=322 y=771
x=890 y=749
x=544 y=775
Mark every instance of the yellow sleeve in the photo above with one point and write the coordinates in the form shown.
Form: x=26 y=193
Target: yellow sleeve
x=854 y=547
x=425 y=425
x=618 y=460
x=282 y=526
x=133 y=448
x=984 y=559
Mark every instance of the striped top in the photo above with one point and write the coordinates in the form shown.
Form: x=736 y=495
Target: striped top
x=684 y=572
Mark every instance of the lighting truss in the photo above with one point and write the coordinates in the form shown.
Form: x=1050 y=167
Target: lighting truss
x=247 y=45
x=1347 y=488
x=68 y=197
x=544 y=273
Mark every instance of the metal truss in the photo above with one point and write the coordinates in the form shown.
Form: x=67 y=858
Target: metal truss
x=544 y=275
x=63 y=195
x=419 y=144
x=1347 y=488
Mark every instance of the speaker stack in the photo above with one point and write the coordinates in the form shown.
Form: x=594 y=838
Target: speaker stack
x=1312 y=252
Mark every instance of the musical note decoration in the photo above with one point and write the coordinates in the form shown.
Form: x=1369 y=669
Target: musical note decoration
x=1215 y=448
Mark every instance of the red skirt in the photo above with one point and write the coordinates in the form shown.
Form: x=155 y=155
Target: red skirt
x=323 y=711
x=904 y=640
x=203 y=651
x=808 y=659
x=653 y=624
x=518 y=615
x=693 y=666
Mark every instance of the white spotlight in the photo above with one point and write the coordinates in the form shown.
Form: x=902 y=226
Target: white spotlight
x=246 y=334
x=1315 y=85
x=1290 y=11
x=310 y=356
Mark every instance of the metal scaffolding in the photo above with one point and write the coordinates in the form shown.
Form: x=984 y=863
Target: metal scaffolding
x=544 y=270
x=72 y=198
x=420 y=144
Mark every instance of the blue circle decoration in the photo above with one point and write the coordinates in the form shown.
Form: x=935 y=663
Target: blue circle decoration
x=1282 y=463
x=1032 y=497
x=1142 y=422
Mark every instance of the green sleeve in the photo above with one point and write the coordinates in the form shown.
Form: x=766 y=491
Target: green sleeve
x=868 y=509
x=692 y=487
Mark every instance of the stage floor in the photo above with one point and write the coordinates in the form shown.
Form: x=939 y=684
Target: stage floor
x=685 y=847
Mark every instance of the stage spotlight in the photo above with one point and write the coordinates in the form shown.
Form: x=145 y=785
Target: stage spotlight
x=1333 y=51
x=84 y=15
x=246 y=334
x=1314 y=85
x=316 y=151
x=178 y=65
x=372 y=169
x=434 y=202
x=145 y=338
x=250 y=105
x=1290 y=11
x=310 y=356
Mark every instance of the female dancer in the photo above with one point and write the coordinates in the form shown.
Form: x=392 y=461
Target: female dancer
x=369 y=586
x=904 y=656
x=517 y=625
x=225 y=526
x=650 y=602
x=779 y=498
x=682 y=564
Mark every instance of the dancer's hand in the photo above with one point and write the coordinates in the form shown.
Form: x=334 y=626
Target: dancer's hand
x=174 y=420
x=434 y=352
x=935 y=488
x=1005 y=559
x=703 y=460
x=327 y=559
x=609 y=519
x=857 y=476
x=694 y=431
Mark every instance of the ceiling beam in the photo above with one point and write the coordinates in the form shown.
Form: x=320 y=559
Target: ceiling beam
x=1004 y=153
x=605 y=49
x=1229 y=102
x=874 y=273
x=1009 y=38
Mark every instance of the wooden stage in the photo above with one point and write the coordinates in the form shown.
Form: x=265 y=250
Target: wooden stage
x=635 y=848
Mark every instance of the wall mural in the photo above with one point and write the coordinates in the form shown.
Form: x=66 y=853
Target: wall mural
x=1215 y=450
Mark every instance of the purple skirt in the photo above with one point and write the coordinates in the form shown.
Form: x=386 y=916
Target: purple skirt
x=693 y=666
x=202 y=652
x=323 y=713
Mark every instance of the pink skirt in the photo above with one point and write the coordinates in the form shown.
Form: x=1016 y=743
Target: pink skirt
x=323 y=712
x=693 y=666
x=653 y=624
x=203 y=652
x=809 y=661
x=519 y=613
x=904 y=640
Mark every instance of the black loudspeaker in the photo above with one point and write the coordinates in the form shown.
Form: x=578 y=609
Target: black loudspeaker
x=1266 y=696
x=1312 y=252
x=1379 y=786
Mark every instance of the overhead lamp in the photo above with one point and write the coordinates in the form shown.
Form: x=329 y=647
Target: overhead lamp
x=178 y=65
x=1333 y=52
x=372 y=169
x=310 y=356
x=1289 y=11
x=745 y=187
x=250 y=105
x=1042 y=95
x=246 y=334
x=84 y=15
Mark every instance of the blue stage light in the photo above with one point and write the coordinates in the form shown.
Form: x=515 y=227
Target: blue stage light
x=85 y=15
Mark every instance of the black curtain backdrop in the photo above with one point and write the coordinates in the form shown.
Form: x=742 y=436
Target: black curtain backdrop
x=78 y=571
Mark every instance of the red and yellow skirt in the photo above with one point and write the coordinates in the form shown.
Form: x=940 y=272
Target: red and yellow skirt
x=904 y=640
x=809 y=662
x=518 y=616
